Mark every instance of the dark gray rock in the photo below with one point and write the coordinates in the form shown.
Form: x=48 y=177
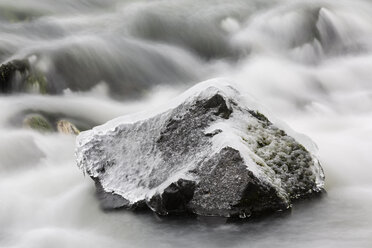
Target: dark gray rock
x=20 y=76
x=209 y=153
x=8 y=73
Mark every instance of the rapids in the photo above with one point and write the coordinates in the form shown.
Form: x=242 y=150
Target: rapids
x=308 y=62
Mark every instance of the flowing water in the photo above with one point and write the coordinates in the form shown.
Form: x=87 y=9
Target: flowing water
x=308 y=62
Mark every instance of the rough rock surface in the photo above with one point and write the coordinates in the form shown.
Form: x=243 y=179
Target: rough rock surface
x=66 y=127
x=210 y=152
x=8 y=72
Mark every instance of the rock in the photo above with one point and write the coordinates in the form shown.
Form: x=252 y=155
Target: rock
x=210 y=152
x=13 y=14
x=8 y=73
x=36 y=82
x=60 y=121
x=42 y=123
x=38 y=123
x=20 y=76
x=66 y=127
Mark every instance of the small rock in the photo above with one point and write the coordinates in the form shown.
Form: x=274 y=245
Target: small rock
x=20 y=76
x=66 y=127
x=8 y=72
x=38 y=123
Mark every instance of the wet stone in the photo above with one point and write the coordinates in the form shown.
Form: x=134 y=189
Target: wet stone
x=209 y=154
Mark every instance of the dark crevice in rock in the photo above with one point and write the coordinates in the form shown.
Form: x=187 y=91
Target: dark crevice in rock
x=174 y=199
x=213 y=133
x=217 y=101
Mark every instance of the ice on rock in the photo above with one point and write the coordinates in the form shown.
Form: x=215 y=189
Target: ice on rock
x=208 y=152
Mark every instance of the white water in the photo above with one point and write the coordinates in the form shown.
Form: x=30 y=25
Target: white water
x=308 y=62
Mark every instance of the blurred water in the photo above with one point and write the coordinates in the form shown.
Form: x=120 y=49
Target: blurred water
x=308 y=62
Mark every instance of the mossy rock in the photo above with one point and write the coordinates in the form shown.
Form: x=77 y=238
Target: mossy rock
x=8 y=73
x=36 y=82
x=30 y=80
x=38 y=123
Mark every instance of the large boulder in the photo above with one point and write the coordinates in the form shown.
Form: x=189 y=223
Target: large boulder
x=209 y=152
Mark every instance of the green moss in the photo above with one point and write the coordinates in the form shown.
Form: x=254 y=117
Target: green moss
x=32 y=80
x=36 y=81
x=260 y=163
x=259 y=116
x=261 y=142
x=38 y=123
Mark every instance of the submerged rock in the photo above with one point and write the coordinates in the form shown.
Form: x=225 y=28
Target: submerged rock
x=60 y=122
x=36 y=82
x=13 y=14
x=66 y=127
x=209 y=153
x=38 y=123
x=20 y=76
x=43 y=124
x=8 y=73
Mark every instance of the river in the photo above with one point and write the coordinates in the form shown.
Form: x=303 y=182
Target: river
x=308 y=62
